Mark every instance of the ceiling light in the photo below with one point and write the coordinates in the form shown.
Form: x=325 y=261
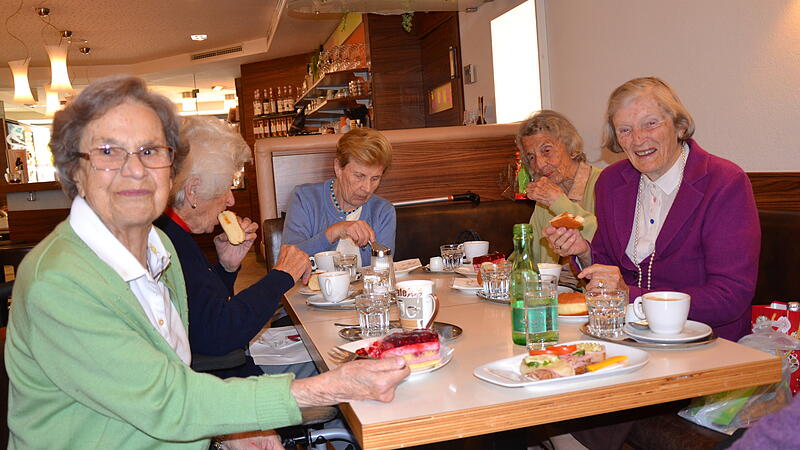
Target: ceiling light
x=216 y=88
x=22 y=89
x=58 y=67
x=85 y=50
x=53 y=103
x=199 y=37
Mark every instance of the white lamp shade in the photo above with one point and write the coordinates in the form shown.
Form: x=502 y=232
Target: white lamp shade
x=53 y=103
x=22 y=89
x=59 y=81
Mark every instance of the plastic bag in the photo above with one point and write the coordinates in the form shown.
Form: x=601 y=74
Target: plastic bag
x=728 y=411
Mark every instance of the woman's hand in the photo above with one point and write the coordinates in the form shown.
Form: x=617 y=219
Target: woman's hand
x=567 y=242
x=255 y=440
x=359 y=231
x=543 y=191
x=231 y=256
x=603 y=277
x=362 y=379
x=295 y=262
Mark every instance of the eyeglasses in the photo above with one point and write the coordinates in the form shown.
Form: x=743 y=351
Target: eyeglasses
x=647 y=126
x=108 y=157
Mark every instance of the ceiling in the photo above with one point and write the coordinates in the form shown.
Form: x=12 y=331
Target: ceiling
x=150 y=38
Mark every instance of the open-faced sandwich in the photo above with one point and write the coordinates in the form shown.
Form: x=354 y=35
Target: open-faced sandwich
x=566 y=360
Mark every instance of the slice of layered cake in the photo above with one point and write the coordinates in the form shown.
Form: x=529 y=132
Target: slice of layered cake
x=420 y=348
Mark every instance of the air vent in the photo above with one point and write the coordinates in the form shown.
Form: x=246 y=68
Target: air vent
x=218 y=52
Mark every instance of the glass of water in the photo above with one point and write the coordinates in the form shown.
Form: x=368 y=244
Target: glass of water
x=496 y=278
x=373 y=313
x=606 y=312
x=452 y=254
x=541 y=312
x=346 y=263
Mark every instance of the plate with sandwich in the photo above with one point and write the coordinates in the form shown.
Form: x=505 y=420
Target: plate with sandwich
x=563 y=363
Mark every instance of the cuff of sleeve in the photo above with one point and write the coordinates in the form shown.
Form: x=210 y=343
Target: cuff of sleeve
x=561 y=204
x=275 y=405
x=280 y=279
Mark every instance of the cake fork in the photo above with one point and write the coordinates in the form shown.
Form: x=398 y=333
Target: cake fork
x=341 y=356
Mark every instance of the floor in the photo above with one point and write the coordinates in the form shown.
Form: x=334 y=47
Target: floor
x=252 y=270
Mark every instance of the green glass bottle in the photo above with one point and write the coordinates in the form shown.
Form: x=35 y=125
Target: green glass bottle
x=522 y=270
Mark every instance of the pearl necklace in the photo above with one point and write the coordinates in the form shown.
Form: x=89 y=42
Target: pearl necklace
x=636 y=227
x=336 y=203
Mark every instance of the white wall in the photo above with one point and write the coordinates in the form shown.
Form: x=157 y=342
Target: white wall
x=476 y=49
x=734 y=63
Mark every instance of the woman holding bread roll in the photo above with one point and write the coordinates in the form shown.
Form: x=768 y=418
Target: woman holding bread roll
x=552 y=150
x=671 y=217
x=220 y=322
x=97 y=348
x=343 y=213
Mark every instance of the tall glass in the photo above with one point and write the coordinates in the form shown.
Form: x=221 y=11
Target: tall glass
x=377 y=280
x=373 y=313
x=541 y=312
x=495 y=278
x=347 y=263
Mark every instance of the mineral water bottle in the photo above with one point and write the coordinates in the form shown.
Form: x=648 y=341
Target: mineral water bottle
x=522 y=270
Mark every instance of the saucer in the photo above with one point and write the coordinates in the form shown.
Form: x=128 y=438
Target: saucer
x=319 y=300
x=692 y=331
x=467 y=285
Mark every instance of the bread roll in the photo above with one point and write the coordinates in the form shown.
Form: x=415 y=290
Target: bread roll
x=230 y=225
x=313 y=282
x=566 y=220
x=572 y=304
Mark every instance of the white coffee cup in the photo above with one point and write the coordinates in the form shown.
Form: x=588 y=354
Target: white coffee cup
x=475 y=248
x=417 y=304
x=324 y=261
x=436 y=264
x=334 y=285
x=666 y=311
x=550 y=269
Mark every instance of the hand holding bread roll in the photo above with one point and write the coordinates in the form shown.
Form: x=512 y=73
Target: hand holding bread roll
x=231 y=227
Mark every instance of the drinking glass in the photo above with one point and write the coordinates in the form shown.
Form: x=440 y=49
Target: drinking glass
x=496 y=279
x=377 y=280
x=373 y=313
x=324 y=66
x=541 y=312
x=606 y=312
x=346 y=263
x=452 y=254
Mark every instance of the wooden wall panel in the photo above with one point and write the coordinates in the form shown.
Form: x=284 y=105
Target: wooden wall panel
x=776 y=190
x=395 y=57
x=34 y=225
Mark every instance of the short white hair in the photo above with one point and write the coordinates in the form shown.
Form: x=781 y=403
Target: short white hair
x=216 y=153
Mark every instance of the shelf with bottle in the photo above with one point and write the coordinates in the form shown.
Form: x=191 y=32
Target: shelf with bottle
x=334 y=107
x=330 y=82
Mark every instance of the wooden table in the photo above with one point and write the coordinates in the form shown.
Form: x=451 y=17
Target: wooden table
x=452 y=403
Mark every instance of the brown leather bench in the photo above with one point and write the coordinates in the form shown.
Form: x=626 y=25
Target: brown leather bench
x=421 y=229
x=778 y=265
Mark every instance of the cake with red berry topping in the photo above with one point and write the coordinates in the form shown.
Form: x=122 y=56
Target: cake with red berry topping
x=420 y=348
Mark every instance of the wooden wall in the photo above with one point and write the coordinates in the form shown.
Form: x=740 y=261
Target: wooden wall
x=776 y=190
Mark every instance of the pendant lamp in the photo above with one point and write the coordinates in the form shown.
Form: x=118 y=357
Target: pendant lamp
x=58 y=67
x=53 y=104
x=22 y=89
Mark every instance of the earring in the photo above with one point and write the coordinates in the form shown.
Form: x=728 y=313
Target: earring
x=194 y=205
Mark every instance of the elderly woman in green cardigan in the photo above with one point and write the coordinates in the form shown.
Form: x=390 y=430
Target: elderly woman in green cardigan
x=552 y=150
x=97 y=351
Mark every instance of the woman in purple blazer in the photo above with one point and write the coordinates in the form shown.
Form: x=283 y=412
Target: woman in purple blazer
x=671 y=216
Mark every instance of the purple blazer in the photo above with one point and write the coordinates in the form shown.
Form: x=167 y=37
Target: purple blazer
x=708 y=246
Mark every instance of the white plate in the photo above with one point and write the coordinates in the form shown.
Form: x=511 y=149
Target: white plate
x=574 y=319
x=427 y=268
x=505 y=372
x=445 y=351
x=692 y=331
x=468 y=285
x=319 y=300
x=304 y=290
x=406 y=266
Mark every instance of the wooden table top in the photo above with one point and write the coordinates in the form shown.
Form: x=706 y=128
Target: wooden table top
x=452 y=403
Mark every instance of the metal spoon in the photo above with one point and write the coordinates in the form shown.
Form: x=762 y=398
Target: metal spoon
x=640 y=324
x=337 y=324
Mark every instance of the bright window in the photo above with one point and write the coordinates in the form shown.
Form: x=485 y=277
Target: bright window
x=515 y=55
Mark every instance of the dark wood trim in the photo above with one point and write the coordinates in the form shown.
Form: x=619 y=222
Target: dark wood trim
x=776 y=190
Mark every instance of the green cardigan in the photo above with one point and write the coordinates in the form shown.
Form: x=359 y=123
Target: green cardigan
x=88 y=370
x=541 y=218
